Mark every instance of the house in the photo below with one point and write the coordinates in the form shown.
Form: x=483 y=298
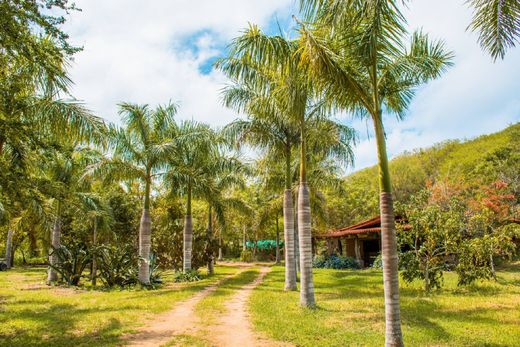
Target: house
x=361 y=241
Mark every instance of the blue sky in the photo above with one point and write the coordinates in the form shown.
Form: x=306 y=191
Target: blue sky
x=153 y=52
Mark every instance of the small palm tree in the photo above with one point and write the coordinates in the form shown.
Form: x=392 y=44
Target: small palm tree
x=356 y=56
x=140 y=152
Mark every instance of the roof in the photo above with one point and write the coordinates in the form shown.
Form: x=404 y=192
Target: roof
x=372 y=225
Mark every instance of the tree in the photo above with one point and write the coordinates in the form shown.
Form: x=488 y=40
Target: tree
x=192 y=171
x=24 y=21
x=267 y=66
x=497 y=23
x=273 y=133
x=356 y=56
x=140 y=151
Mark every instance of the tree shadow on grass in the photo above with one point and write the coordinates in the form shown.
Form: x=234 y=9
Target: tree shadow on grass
x=57 y=327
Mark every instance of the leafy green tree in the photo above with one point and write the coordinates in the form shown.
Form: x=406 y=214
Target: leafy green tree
x=434 y=234
x=24 y=21
x=140 y=151
x=356 y=56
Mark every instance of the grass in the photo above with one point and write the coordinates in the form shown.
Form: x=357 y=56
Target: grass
x=33 y=314
x=351 y=311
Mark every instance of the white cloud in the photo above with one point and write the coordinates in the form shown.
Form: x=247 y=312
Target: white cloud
x=151 y=52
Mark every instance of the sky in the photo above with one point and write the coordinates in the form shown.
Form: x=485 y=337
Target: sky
x=158 y=51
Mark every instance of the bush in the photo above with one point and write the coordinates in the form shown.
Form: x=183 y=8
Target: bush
x=246 y=256
x=71 y=262
x=188 y=276
x=117 y=266
x=334 y=262
x=378 y=262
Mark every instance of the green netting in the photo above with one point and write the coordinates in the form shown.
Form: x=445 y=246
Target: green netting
x=263 y=244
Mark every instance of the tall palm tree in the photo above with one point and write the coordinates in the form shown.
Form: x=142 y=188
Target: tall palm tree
x=356 y=56
x=140 y=151
x=271 y=132
x=264 y=63
x=268 y=65
x=191 y=171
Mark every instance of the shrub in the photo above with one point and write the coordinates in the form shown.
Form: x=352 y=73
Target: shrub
x=117 y=266
x=188 y=276
x=246 y=256
x=334 y=262
x=378 y=262
x=71 y=262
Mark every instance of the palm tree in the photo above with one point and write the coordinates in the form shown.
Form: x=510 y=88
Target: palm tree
x=356 y=56
x=268 y=69
x=229 y=174
x=140 y=151
x=62 y=170
x=271 y=132
x=191 y=171
x=35 y=110
x=497 y=23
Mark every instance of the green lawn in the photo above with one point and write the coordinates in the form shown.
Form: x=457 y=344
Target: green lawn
x=32 y=314
x=351 y=311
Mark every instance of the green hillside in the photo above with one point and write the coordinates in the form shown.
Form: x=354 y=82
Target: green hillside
x=471 y=163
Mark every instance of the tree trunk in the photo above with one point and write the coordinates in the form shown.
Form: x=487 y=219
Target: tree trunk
x=296 y=241
x=394 y=335
x=305 y=236
x=220 y=248
x=33 y=243
x=145 y=238
x=277 y=240
x=93 y=275
x=426 y=278
x=244 y=239
x=9 y=248
x=52 y=275
x=188 y=236
x=492 y=264
x=209 y=251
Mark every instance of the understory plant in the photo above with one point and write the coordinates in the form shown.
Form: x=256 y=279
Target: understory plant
x=335 y=262
x=72 y=260
x=187 y=276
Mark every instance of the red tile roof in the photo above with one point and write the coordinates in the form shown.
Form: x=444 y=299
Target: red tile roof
x=372 y=225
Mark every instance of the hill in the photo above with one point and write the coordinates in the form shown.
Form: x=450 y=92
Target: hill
x=471 y=163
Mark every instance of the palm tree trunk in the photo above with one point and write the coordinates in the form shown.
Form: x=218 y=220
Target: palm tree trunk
x=288 y=223
x=296 y=240
x=209 y=237
x=33 y=245
x=277 y=253
x=188 y=235
x=145 y=238
x=220 y=248
x=389 y=242
x=304 y=231
x=9 y=248
x=244 y=239
x=93 y=276
x=52 y=275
